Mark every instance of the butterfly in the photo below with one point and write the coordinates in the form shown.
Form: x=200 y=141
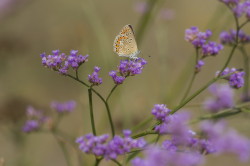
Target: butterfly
x=125 y=44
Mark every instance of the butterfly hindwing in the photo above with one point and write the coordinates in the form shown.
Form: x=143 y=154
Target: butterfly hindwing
x=125 y=44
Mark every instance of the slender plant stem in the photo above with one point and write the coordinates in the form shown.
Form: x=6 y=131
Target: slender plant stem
x=110 y=93
x=141 y=124
x=91 y=111
x=97 y=161
x=62 y=146
x=193 y=76
x=147 y=132
x=246 y=69
x=110 y=119
x=115 y=161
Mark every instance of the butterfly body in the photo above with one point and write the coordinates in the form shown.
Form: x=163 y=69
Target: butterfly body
x=125 y=44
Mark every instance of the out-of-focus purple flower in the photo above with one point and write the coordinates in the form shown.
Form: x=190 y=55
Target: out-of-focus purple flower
x=228 y=38
x=141 y=7
x=230 y=2
x=222 y=98
x=199 y=65
x=94 y=78
x=211 y=48
x=109 y=149
x=197 y=38
x=117 y=79
x=61 y=62
x=35 y=120
x=225 y=140
x=161 y=157
x=127 y=68
x=64 y=107
x=167 y=14
x=160 y=111
x=236 y=79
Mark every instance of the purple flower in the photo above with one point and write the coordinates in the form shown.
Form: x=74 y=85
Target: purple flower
x=35 y=120
x=199 y=65
x=211 y=48
x=228 y=38
x=160 y=111
x=141 y=7
x=127 y=68
x=197 y=38
x=230 y=2
x=222 y=98
x=64 y=107
x=109 y=149
x=117 y=79
x=31 y=125
x=157 y=156
x=61 y=62
x=94 y=78
x=167 y=14
x=236 y=79
x=225 y=140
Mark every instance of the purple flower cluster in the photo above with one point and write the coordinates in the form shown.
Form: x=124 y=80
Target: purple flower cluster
x=197 y=38
x=61 y=62
x=228 y=38
x=225 y=140
x=235 y=78
x=94 y=78
x=64 y=107
x=223 y=98
x=35 y=120
x=159 y=156
x=239 y=8
x=211 y=48
x=198 y=66
x=109 y=149
x=127 y=68
x=160 y=111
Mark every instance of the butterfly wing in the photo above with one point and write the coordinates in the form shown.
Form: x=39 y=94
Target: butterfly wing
x=125 y=44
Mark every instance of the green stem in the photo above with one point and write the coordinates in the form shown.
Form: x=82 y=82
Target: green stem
x=141 y=124
x=97 y=161
x=110 y=93
x=62 y=146
x=91 y=111
x=193 y=76
x=246 y=69
x=115 y=161
x=110 y=119
x=144 y=133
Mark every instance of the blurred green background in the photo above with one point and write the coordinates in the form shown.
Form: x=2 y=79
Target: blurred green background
x=30 y=27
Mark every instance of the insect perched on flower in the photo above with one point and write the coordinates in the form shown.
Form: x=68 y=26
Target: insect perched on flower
x=125 y=44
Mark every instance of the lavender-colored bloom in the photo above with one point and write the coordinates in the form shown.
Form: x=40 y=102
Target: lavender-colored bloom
x=94 y=78
x=117 y=79
x=35 y=120
x=109 y=149
x=160 y=111
x=228 y=38
x=222 y=98
x=161 y=157
x=211 y=48
x=199 y=65
x=141 y=7
x=61 y=62
x=64 y=107
x=31 y=125
x=225 y=140
x=230 y=2
x=127 y=68
x=197 y=38
x=236 y=79
x=167 y=14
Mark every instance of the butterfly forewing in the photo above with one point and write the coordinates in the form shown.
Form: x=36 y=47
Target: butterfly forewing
x=125 y=44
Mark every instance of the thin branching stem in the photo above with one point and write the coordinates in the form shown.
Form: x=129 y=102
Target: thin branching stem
x=91 y=111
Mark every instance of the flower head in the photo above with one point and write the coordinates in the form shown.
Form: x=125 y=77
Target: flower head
x=211 y=48
x=61 y=62
x=94 y=78
x=197 y=38
x=228 y=38
x=160 y=111
x=198 y=66
x=64 y=107
x=223 y=98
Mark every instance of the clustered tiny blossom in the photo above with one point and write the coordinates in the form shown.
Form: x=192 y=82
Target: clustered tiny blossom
x=229 y=38
x=127 y=68
x=198 y=66
x=222 y=98
x=211 y=48
x=64 y=107
x=61 y=62
x=197 y=38
x=94 y=78
x=235 y=78
x=35 y=120
x=109 y=149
